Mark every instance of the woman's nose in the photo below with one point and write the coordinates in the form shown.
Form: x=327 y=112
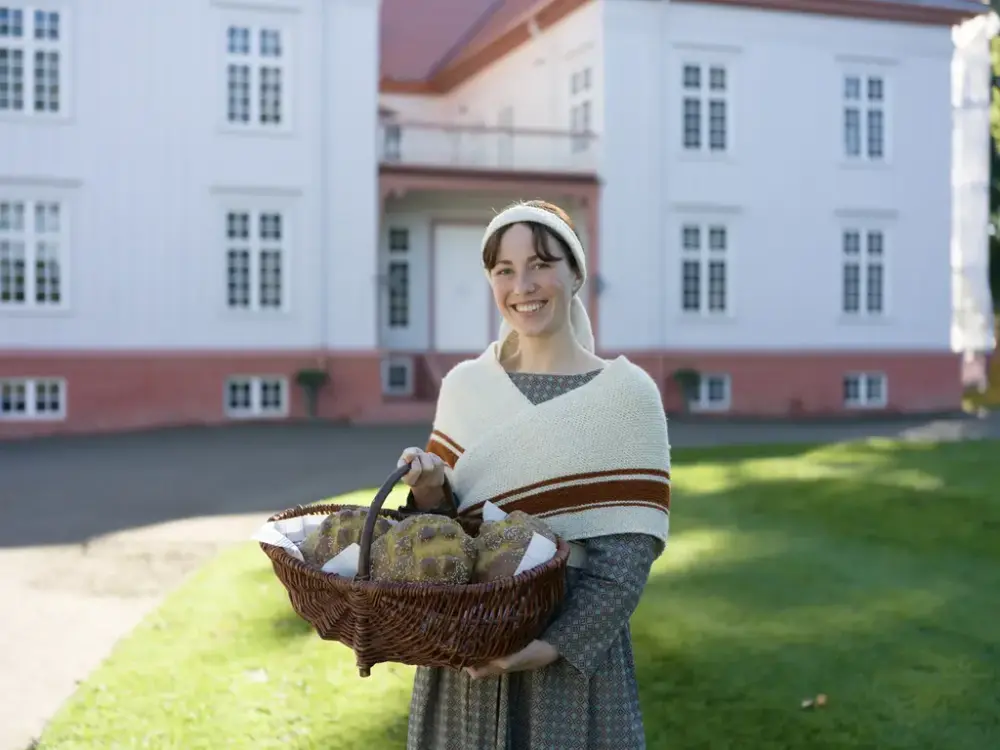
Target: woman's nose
x=525 y=285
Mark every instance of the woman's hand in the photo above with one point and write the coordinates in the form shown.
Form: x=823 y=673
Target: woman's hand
x=535 y=655
x=426 y=469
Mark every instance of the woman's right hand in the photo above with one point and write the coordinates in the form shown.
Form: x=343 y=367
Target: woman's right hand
x=426 y=469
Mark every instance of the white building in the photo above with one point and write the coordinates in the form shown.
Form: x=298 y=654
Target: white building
x=200 y=198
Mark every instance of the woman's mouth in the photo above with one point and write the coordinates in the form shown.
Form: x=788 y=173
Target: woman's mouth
x=527 y=308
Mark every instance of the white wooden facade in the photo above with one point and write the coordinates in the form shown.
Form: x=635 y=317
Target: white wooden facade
x=204 y=179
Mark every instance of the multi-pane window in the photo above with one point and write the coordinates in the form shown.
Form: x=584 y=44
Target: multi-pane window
x=865 y=389
x=713 y=393
x=705 y=108
x=256 y=396
x=32 y=249
x=32 y=60
x=704 y=267
x=256 y=76
x=580 y=109
x=864 y=116
x=256 y=248
x=863 y=275
x=399 y=278
x=32 y=398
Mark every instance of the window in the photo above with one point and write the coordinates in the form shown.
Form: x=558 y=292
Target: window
x=397 y=376
x=32 y=249
x=256 y=77
x=32 y=61
x=865 y=390
x=705 y=108
x=713 y=393
x=32 y=398
x=399 y=278
x=258 y=396
x=864 y=117
x=863 y=278
x=256 y=249
x=704 y=264
x=579 y=111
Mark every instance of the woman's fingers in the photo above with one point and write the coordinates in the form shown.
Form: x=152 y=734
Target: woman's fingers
x=427 y=462
x=410 y=456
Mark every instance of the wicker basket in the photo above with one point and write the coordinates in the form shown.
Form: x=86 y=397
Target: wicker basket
x=420 y=624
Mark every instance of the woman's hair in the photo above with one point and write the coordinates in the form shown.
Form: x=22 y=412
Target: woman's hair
x=491 y=251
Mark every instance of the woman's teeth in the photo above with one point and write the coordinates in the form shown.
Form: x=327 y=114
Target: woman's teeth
x=529 y=307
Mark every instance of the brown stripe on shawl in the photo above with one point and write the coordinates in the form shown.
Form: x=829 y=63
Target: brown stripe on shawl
x=442 y=446
x=573 y=496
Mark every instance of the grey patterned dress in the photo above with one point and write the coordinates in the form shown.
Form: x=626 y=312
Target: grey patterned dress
x=586 y=700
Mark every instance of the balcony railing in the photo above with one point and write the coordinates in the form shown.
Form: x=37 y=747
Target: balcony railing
x=488 y=148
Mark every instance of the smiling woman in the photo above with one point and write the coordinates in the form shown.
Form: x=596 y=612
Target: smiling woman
x=536 y=266
x=550 y=429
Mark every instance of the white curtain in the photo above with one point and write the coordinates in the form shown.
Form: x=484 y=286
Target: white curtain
x=972 y=328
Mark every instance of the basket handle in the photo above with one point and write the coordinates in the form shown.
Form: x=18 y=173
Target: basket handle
x=364 y=558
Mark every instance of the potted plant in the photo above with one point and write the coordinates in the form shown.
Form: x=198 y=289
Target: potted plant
x=312 y=381
x=688 y=380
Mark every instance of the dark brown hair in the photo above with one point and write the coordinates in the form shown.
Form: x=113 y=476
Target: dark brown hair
x=539 y=232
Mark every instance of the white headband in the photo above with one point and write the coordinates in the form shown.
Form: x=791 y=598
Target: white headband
x=518 y=214
x=578 y=317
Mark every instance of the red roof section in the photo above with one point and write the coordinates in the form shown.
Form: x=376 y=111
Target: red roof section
x=508 y=14
x=419 y=35
x=421 y=38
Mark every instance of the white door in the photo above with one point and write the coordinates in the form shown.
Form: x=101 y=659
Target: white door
x=462 y=300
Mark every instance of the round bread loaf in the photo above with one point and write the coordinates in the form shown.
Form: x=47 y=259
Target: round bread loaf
x=500 y=545
x=425 y=548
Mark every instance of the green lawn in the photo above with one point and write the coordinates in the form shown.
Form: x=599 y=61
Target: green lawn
x=868 y=572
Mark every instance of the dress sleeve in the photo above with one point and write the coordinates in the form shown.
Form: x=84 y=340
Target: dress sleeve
x=599 y=606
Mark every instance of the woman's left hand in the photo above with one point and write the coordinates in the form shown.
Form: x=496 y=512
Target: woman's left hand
x=535 y=655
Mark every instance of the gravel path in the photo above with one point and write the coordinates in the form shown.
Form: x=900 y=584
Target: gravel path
x=94 y=531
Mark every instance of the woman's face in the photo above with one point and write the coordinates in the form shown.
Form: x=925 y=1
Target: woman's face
x=533 y=295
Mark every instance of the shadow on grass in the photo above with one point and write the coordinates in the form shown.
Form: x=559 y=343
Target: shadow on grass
x=873 y=586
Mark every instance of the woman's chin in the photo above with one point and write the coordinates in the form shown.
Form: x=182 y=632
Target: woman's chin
x=531 y=330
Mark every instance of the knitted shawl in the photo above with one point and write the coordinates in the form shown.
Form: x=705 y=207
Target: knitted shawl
x=589 y=462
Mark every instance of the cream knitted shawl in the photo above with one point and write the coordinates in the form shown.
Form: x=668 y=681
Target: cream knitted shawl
x=590 y=462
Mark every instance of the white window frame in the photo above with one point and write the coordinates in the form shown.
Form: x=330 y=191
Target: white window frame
x=256 y=21
x=581 y=108
x=30 y=198
x=256 y=409
x=864 y=401
x=31 y=413
x=865 y=229
x=705 y=255
x=29 y=46
x=863 y=73
x=705 y=96
x=399 y=255
x=407 y=363
x=255 y=206
x=702 y=402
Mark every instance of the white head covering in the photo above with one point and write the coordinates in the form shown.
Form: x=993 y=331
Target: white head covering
x=579 y=320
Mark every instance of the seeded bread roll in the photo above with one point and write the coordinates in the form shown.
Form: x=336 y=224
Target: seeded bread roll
x=501 y=544
x=339 y=531
x=424 y=548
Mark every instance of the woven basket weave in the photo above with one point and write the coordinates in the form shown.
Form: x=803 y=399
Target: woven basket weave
x=420 y=624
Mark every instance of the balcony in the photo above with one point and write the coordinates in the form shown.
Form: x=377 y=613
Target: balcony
x=490 y=149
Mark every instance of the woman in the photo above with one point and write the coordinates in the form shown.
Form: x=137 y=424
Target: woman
x=537 y=414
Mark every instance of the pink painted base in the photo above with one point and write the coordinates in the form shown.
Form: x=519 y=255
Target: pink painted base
x=111 y=391
x=810 y=384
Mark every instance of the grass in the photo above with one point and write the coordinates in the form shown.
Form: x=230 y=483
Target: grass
x=869 y=572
